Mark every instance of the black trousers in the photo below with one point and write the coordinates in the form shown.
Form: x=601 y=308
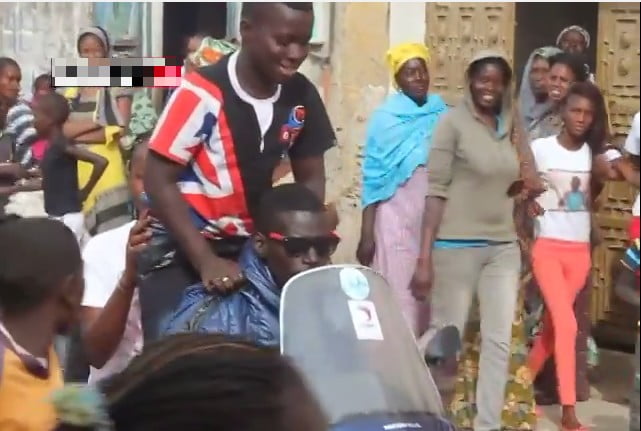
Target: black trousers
x=160 y=293
x=161 y=290
x=76 y=365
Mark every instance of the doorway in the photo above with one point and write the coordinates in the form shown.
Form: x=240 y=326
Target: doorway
x=539 y=24
x=180 y=20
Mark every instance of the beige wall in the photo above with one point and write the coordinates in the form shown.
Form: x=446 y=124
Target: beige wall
x=357 y=83
x=352 y=83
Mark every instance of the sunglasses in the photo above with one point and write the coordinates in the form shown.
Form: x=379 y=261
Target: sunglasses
x=297 y=246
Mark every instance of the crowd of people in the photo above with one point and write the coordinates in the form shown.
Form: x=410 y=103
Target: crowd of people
x=162 y=244
x=501 y=246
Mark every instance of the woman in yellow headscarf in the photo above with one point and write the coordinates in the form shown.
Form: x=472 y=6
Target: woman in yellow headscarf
x=394 y=175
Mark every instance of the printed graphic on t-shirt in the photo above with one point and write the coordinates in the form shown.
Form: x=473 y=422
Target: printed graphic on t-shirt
x=290 y=130
x=567 y=191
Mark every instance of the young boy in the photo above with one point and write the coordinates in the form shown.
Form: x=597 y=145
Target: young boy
x=294 y=233
x=41 y=286
x=41 y=87
x=59 y=165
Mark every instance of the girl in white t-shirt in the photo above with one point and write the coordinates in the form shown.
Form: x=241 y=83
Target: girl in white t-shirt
x=570 y=164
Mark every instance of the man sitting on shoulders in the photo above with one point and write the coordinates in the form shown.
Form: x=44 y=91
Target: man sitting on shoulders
x=294 y=234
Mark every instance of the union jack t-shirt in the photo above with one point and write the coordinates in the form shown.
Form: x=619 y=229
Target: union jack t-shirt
x=230 y=143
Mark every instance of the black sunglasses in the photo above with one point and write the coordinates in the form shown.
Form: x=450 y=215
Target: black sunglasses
x=297 y=246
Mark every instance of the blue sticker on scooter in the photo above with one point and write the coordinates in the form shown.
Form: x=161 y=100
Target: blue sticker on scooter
x=354 y=284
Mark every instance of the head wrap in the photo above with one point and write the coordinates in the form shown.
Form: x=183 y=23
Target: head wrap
x=210 y=51
x=100 y=34
x=528 y=108
x=578 y=29
x=400 y=54
x=83 y=406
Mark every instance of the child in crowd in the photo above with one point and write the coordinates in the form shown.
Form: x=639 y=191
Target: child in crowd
x=59 y=165
x=41 y=87
x=196 y=382
x=41 y=286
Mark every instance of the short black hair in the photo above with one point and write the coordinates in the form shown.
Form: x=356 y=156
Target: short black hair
x=45 y=77
x=283 y=198
x=598 y=133
x=205 y=382
x=251 y=9
x=574 y=62
x=6 y=62
x=36 y=254
x=476 y=67
x=55 y=106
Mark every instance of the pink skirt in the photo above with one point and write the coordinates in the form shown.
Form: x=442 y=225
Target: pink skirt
x=397 y=233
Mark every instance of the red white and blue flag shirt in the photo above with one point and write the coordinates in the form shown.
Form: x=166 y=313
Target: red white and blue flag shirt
x=230 y=143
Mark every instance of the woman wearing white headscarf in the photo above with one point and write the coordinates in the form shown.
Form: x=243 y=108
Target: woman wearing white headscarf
x=575 y=40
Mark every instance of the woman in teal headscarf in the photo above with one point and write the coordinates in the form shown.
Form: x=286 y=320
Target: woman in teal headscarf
x=395 y=177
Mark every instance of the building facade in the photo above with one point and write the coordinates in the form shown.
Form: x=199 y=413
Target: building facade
x=346 y=64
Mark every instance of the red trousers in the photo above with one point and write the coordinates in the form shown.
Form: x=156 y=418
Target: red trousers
x=561 y=269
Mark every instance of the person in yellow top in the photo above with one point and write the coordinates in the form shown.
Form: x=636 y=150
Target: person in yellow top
x=99 y=117
x=41 y=286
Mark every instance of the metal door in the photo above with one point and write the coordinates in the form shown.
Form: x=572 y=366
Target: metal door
x=456 y=31
x=618 y=77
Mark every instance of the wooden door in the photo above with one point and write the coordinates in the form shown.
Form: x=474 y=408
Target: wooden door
x=618 y=77
x=457 y=31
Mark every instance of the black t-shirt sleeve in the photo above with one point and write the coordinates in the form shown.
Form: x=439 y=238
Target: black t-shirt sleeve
x=317 y=135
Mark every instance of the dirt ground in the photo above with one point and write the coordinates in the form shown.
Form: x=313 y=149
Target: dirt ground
x=608 y=408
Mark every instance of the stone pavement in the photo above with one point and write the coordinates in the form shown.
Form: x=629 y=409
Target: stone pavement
x=607 y=410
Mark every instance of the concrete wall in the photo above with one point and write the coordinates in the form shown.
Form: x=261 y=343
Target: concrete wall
x=406 y=22
x=33 y=33
x=358 y=83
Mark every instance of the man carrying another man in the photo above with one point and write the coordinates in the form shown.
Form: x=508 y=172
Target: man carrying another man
x=214 y=151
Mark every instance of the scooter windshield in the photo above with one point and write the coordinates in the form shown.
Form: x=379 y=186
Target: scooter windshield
x=342 y=327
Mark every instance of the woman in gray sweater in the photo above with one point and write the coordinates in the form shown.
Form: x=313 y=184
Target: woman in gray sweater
x=469 y=245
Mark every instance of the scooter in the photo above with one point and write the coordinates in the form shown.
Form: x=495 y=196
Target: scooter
x=341 y=326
